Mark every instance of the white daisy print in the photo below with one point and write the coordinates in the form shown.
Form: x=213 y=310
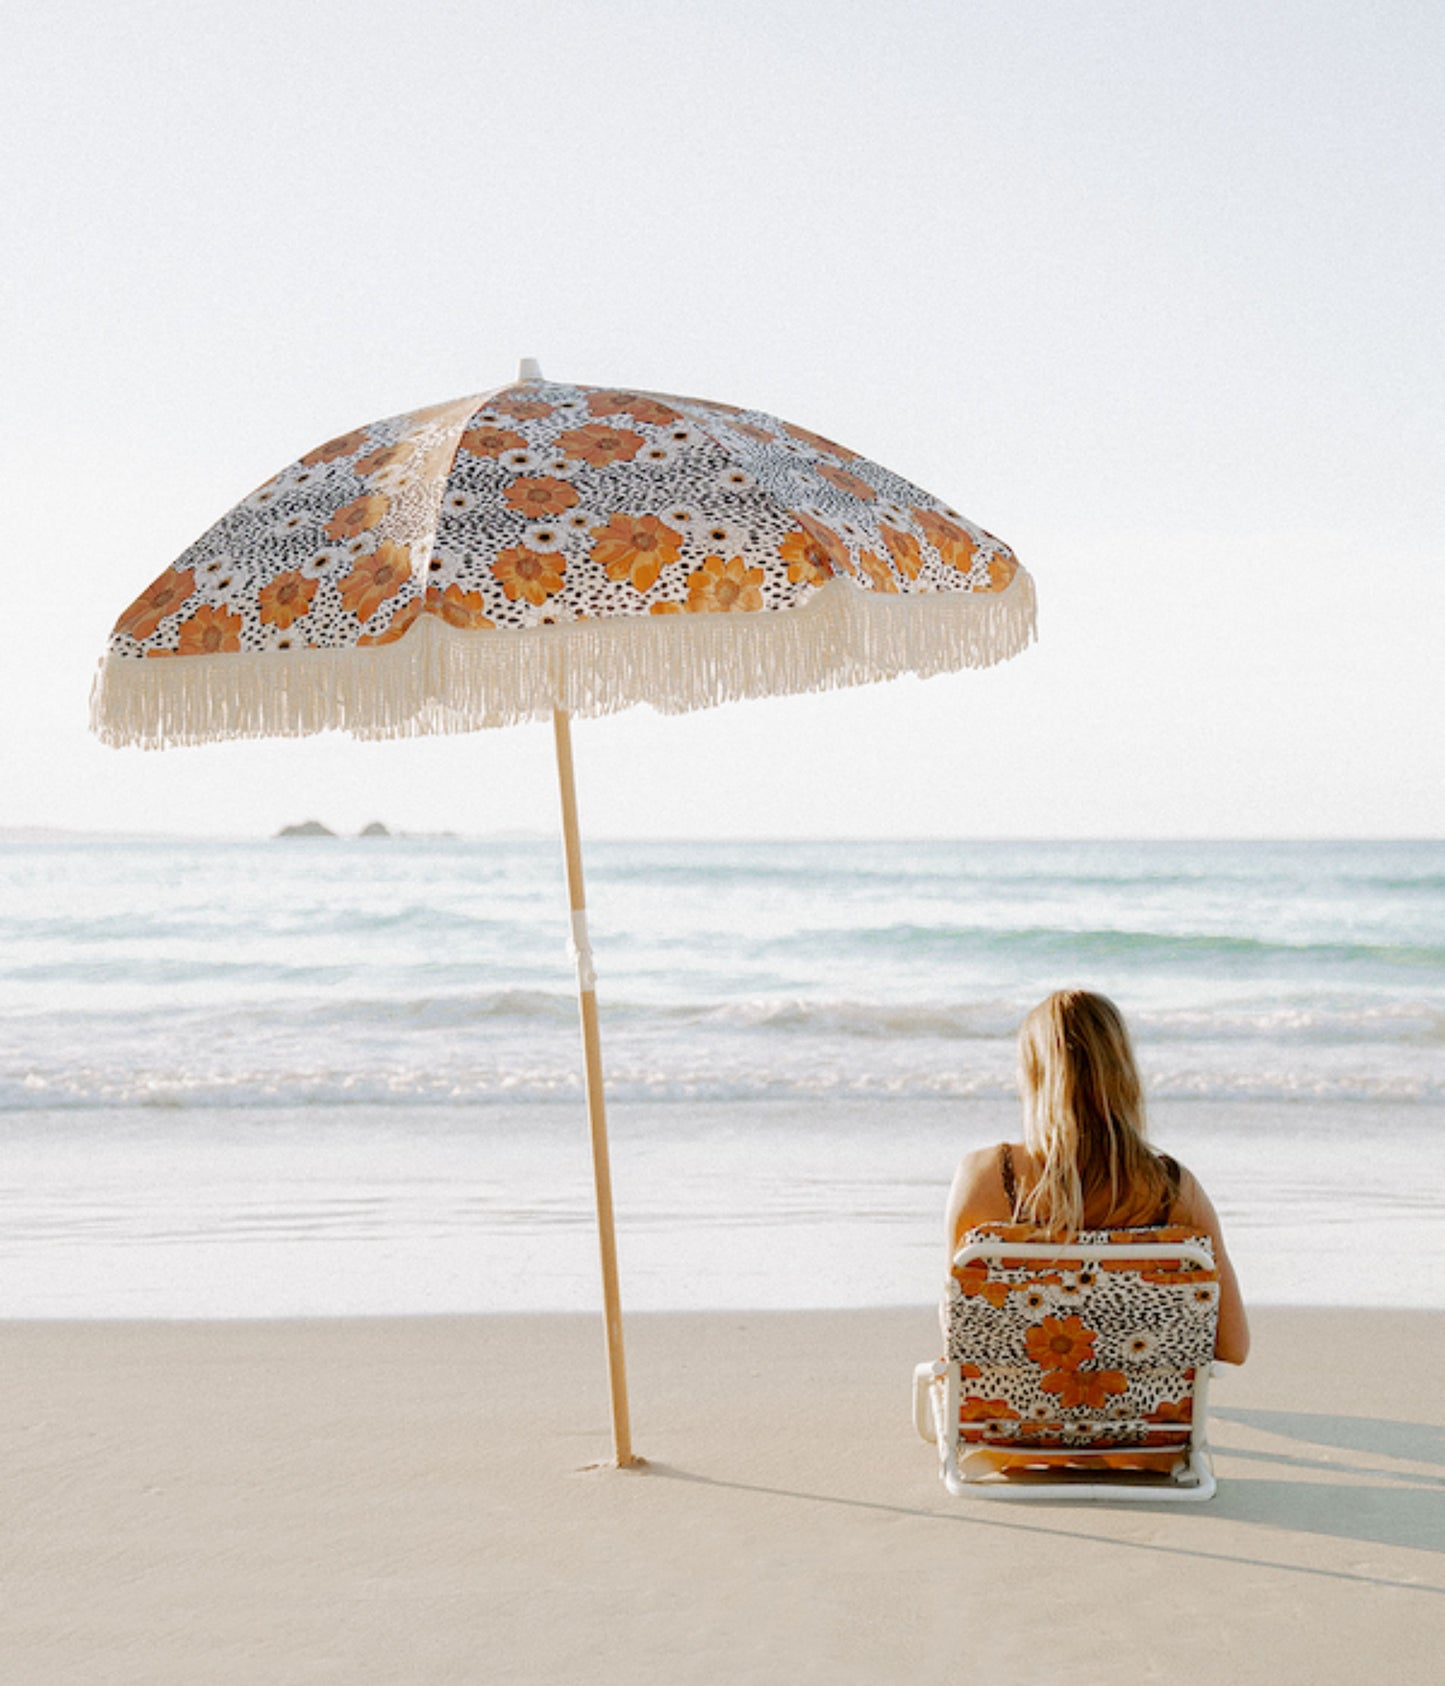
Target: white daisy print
x=545 y=536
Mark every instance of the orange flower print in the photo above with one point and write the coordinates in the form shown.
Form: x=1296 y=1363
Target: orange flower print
x=1171 y=1411
x=636 y=548
x=523 y=409
x=374 y=578
x=877 y=572
x=1001 y=570
x=719 y=588
x=491 y=441
x=157 y=601
x=807 y=560
x=286 y=599
x=974 y=1280
x=903 y=548
x=399 y=622
x=1090 y=1388
x=461 y=608
x=664 y=608
x=959 y=553
x=533 y=575
x=601 y=446
x=833 y=546
x=631 y=404
x=358 y=516
x=937 y=528
x=1060 y=1343
x=389 y=455
x=342 y=446
x=750 y=430
x=209 y=631
x=976 y=1410
x=846 y=482
x=538 y=498
x=650 y=410
x=819 y=443
x=952 y=542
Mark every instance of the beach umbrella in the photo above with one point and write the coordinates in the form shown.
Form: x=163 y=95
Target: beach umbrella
x=548 y=549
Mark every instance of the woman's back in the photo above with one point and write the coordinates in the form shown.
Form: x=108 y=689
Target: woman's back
x=994 y=1185
x=1104 y=1207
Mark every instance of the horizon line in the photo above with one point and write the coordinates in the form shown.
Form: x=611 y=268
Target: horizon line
x=524 y=834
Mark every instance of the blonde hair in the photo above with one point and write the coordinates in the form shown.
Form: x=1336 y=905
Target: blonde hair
x=1084 y=1115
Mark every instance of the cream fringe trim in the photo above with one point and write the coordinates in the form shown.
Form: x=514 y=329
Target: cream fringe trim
x=439 y=679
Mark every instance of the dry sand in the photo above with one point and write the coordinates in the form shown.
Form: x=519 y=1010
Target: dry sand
x=406 y=1501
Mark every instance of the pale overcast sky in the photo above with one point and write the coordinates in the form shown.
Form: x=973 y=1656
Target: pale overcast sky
x=1152 y=290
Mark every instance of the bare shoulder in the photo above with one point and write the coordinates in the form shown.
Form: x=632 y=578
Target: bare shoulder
x=977 y=1195
x=980 y=1164
x=1195 y=1209
x=1193 y=1205
x=979 y=1178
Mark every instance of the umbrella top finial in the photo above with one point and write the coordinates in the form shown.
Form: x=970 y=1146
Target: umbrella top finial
x=529 y=369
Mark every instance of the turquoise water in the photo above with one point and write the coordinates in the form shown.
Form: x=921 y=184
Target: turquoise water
x=251 y=1077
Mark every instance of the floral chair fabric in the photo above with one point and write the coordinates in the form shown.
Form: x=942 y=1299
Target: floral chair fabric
x=1086 y=1356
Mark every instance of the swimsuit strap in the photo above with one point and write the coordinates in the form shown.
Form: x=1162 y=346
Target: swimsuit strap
x=1171 y=1193
x=1006 y=1171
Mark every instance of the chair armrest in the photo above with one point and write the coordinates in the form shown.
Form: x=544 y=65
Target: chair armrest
x=924 y=1377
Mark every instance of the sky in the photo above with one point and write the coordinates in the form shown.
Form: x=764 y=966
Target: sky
x=1152 y=291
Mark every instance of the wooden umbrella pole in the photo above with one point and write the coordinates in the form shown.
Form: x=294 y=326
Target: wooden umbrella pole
x=596 y=1103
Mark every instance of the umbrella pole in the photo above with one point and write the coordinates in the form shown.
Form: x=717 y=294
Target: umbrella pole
x=596 y=1103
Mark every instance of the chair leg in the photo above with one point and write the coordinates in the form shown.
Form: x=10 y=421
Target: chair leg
x=943 y=1391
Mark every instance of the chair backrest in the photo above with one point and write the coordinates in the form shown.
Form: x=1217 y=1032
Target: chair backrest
x=1092 y=1343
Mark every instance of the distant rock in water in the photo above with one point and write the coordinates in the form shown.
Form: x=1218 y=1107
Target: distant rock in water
x=375 y=829
x=307 y=828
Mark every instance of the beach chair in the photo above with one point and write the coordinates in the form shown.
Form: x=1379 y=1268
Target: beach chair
x=1074 y=1370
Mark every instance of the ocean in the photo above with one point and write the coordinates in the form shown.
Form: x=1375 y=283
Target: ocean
x=341 y=1076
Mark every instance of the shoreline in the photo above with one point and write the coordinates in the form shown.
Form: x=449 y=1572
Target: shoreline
x=799 y=1205
x=408 y=1499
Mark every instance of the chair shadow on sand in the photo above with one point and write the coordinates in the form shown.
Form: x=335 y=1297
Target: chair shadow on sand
x=1409 y=1511
x=1422 y=1443
x=1402 y=1507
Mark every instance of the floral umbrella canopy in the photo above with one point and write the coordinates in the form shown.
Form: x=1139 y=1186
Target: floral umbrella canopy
x=551 y=549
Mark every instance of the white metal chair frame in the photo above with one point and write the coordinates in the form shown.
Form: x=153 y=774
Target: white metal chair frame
x=937 y=1390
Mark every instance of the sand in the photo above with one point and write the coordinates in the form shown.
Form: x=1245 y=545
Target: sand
x=406 y=1501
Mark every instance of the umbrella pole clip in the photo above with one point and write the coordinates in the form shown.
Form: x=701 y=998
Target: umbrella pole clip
x=579 y=949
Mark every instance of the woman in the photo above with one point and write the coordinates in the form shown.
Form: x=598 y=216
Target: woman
x=1083 y=1162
